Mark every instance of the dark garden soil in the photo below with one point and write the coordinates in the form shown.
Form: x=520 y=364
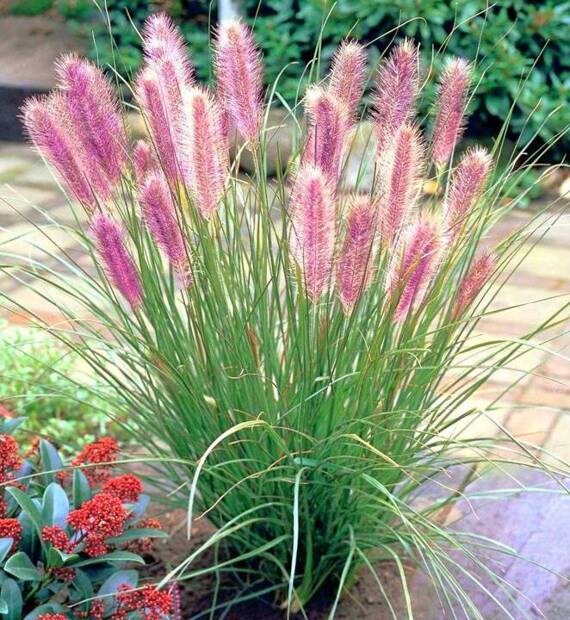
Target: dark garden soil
x=362 y=602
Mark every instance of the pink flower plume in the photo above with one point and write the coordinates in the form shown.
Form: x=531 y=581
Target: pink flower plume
x=400 y=177
x=117 y=261
x=475 y=279
x=347 y=75
x=450 y=106
x=164 y=47
x=46 y=123
x=93 y=112
x=328 y=125
x=239 y=78
x=163 y=114
x=397 y=87
x=354 y=263
x=143 y=160
x=413 y=273
x=159 y=213
x=206 y=147
x=313 y=229
x=467 y=185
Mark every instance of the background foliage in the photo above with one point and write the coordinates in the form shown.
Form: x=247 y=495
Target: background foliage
x=36 y=384
x=507 y=42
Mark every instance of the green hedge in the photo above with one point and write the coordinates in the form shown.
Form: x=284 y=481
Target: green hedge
x=509 y=38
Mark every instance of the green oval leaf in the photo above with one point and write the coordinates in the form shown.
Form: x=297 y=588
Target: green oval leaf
x=5 y=546
x=55 y=506
x=114 y=556
x=13 y=597
x=21 y=567
x=81 y=489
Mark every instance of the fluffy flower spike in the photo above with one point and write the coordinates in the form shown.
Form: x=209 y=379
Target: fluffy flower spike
x=159 y=213
x=416 y=267
x=206 y=146
x=348 y=74
x=163 y=112
x=450 y=106
x=354 y=264
x=46 y=125
x=327 y=129
x=93 y=112
x=467 y=185
x=143 y=160
x=164 y=47
x=119 y=264
x=239 y=78
x=400 y=177
x=475 y=279
x=313 y=229
x=397 y=87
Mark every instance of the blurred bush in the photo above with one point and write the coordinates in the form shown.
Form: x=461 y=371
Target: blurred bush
x=36 y=383
x=507 y=41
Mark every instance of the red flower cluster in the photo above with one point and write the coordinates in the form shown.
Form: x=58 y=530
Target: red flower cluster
x=10 y=458
x=126 y=487
x=11 y=528
x=99 y=518
x=58 y=538
x=51 y=617
x=144 y=545
x=152 y=604
x=103 y=452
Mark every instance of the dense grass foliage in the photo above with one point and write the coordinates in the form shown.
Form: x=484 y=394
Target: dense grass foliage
x=297 y=355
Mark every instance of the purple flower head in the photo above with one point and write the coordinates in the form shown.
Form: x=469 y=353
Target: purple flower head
x=450 y=106
x=475 y=279
x=117 y=261
x=313 y=229
x=467 y=185
x=164 y=47
x=164 y=117
x=206 y=146
x=416 y=266
x=143 y=160
x=159 y=213
x=347 y=75
x=328 y=126
x=397 y=88
x=95 y=121
x=47 y=125
x=239 y=78
x=400 y=176
x=354 y=263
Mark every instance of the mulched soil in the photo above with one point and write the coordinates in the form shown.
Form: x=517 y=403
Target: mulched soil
x=363 y=602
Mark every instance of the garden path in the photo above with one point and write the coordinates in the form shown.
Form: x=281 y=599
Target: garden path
x=537 y=409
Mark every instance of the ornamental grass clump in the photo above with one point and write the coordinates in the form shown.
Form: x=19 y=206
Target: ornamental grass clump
x=295 y=355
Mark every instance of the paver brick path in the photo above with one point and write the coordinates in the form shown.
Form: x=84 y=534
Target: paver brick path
x=538 y=409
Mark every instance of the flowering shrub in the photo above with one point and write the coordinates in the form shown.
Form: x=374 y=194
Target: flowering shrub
x=297 y=353
x=66 y=537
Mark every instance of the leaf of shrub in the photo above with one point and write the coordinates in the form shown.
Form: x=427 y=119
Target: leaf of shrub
x=13 y=597
x=137 y=532
x=114 y=556
x=55 y=506
x=28 y=506
x=50 y=460
x=5 y=546
x=21 y=567
x=81 y=489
